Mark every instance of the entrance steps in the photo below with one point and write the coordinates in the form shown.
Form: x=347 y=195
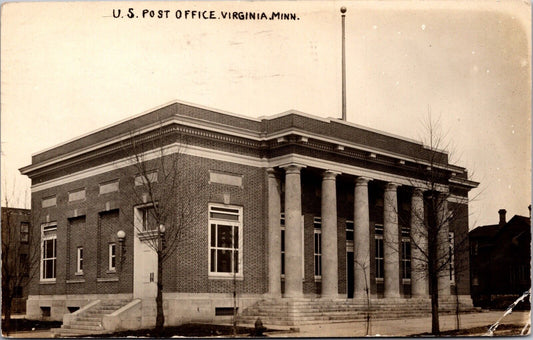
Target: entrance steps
x=88 y=320
x=291 y=312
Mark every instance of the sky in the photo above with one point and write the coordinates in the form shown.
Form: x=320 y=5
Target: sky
x=68 y=68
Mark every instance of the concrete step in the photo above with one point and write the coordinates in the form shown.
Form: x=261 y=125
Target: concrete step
x=89 y=323
x=83 y=327
x=308 y=311
x=62 y=332
x=88 y=318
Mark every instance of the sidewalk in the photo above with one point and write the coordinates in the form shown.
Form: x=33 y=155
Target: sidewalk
x=403 y=327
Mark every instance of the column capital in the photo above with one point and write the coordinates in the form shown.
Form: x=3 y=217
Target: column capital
x=362 y=181
x=330 y=174
x=292 y=168
x=418 y=192
x=271 y=172
x=391 y=186
x=443 y=195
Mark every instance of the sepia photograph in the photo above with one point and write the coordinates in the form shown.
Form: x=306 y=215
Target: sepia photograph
x=266 y=168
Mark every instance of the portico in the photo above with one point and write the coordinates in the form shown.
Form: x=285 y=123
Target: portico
x=384 y=229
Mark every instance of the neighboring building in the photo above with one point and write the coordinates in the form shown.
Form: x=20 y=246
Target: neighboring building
x=16 y=252
x=500 y=262
x=302 y=192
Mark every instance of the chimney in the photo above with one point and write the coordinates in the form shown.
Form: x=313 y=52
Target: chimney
x=502 y=213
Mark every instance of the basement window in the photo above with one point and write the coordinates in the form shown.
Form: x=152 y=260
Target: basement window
x=225 y=311
x=46 y=311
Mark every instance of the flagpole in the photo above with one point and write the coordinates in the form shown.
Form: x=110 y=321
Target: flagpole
x=343 y=16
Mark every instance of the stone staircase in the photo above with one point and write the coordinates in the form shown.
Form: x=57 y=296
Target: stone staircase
x=284 y=312
x=88 y=320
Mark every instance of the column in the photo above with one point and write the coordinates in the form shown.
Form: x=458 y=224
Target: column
x=274 y=234
x=443 y=247
x=293 y=232
x=419 y=247
x=330 y=259
x=361 y=221
x=391 y=244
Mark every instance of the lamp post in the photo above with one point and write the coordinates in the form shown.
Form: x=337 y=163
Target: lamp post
x=162 y=230
x=121 y=236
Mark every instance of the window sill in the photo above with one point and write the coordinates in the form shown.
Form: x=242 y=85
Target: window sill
x=47 y=282
x=379 y=280
x=406 y=281
x=225 y=277
x=105 y=279
x=111 y=271
x=78 y=273
x=76 y=281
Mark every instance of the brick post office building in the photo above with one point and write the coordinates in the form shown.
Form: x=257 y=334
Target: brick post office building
x=285 y=210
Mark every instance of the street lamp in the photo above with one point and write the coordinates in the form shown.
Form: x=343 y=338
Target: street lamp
x=162 y=230
x=121 y=235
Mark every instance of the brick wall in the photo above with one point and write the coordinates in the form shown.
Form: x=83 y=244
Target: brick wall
x=187 y=270
x=459 y=226
x=94 y=221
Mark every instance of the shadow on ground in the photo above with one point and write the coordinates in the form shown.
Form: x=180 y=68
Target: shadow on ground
x=187 y=330
x=502 y=330
x=21 y=325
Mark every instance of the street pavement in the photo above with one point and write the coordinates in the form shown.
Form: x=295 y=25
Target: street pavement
x=402 y=327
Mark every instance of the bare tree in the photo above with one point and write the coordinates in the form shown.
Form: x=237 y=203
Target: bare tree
x=160 y=197
x=20 y=255
x=432 y=250
x=365 y=268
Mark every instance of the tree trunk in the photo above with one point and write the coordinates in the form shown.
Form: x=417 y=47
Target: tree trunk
x=6 y=310
x=457 y=308
x=435 y=329
x=160 y=317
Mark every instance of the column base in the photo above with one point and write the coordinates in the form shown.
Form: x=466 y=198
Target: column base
x=392 y=296
x=293 y=296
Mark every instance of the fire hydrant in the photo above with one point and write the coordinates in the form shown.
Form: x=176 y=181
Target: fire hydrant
x=259 y=328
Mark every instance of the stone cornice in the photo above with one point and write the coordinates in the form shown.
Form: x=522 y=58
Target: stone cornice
x=256 y=143
x=243 y=128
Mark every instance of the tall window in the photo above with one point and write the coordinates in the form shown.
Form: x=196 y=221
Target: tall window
x=225 y=245
x=406 y=258
x=406 y=253
x=79 y=262
x=24 y=232
x=451 y=249
x=148 y=220
x=112 y=256
x=349 y=230
x=318 y=247
x=474 y=248
x=48 y=251
x=378 y=231
x=282 y=224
